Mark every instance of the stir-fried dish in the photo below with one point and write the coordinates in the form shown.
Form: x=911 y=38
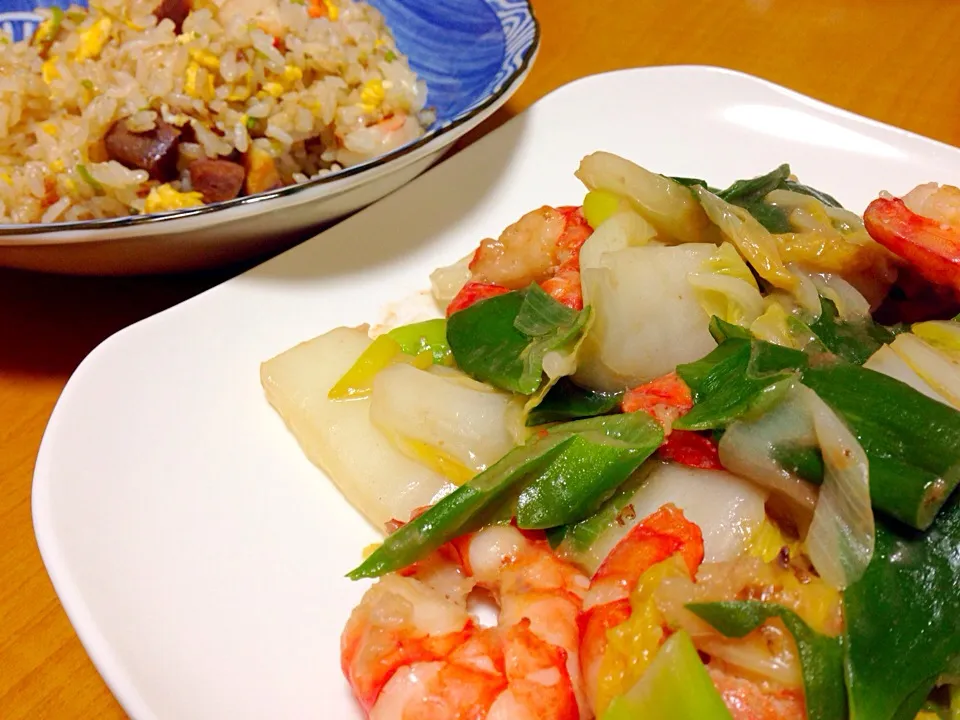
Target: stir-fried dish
x=148 y=106
x=698 y=446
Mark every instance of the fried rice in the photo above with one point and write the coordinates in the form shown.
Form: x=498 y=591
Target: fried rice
x=133 y=107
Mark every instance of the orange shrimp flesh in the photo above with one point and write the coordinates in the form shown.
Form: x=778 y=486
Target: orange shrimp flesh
x=750 y=700
x=411 y=651
x=542 y=247
x=654 y=539
x=665 y=399
x=474 y=292
x=923 y=228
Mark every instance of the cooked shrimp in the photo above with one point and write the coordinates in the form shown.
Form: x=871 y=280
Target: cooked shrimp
x=923 y=228
x=665 y=399
x=758 y=675
x=524 y=253
x=542 y=247
x=412 y=651
x=751 y=700
x=607 y=605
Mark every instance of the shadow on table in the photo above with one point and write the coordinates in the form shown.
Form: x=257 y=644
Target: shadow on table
x=49 y=323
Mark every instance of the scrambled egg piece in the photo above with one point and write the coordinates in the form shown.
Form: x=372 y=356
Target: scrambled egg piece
x=372 y=94
x=164 y=197
x=291 y=74
x=206 y=59
x=93 y=39
x=767 y=541
x=243 y=92
x=49 y=70
x=273 y=89
x=196 y=85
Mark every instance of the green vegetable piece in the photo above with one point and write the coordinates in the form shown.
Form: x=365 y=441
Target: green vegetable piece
x=729 y=381
x=749 y=195
x=568 y=401
x=827 y=200
x=693 y=182
x=480 y=498
x=389 y=56
x=903 y=618
x=603 y=453
x=89 y=179
x=47 y=31
x=852 y=341
x=462 y=510
x=912 y=442
x=357 y=381
x=555 y=536
x=722 y=330
x=502 y=340
x=676 y=686
x=804 y=462
x=821 y=657
x=757 y=188
x=430 y=335
x=579 y=537
x=540 y=314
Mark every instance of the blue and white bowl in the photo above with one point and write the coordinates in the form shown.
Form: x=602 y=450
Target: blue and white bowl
x=473 y=55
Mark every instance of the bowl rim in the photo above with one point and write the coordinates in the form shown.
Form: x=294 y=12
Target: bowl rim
x=506 y=86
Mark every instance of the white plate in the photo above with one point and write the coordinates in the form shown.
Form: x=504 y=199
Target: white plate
x=199 y=555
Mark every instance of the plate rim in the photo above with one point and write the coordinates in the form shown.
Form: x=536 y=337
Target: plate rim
x=100 y=652
x=341 y=181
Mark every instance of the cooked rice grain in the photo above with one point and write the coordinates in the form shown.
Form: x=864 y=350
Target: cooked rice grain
x=316 y=93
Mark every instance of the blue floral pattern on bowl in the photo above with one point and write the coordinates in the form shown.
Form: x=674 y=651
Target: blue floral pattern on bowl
x=466 y=50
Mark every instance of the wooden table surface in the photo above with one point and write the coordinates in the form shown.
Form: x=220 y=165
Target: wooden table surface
x=892 y=60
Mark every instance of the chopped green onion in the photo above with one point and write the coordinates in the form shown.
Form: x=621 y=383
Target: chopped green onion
x=89 y=179
x=430 y=335
x=390 y=56
x=562 y=476
x=567 y=401
x=676 y=685
x=357 y=382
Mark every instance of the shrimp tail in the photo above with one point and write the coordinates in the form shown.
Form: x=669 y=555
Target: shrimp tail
x=932 y=248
